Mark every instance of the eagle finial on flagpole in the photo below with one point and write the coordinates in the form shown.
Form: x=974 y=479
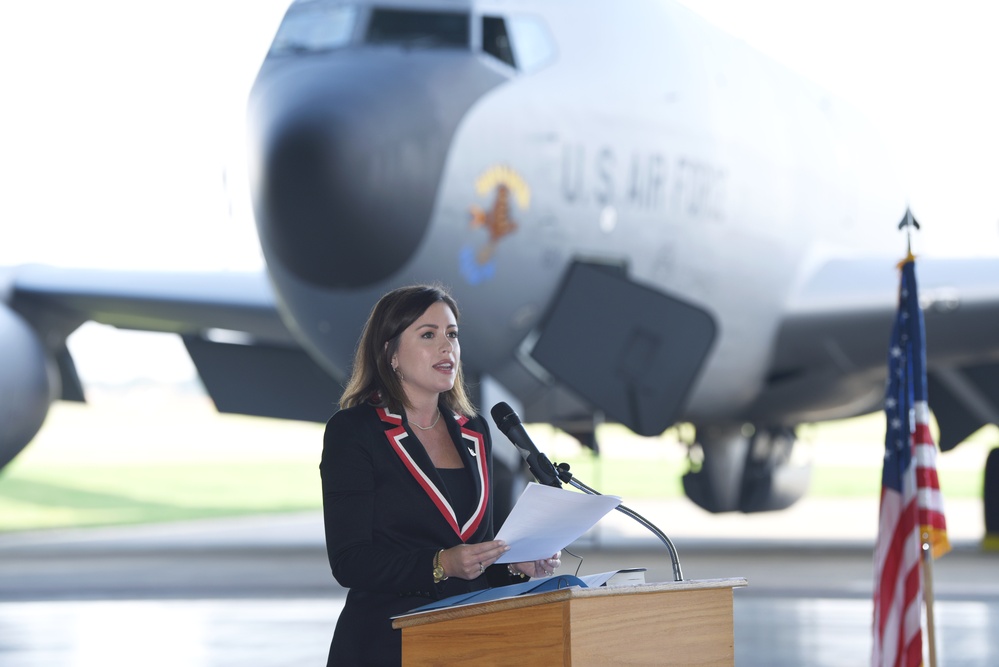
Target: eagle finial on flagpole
x=908 y=222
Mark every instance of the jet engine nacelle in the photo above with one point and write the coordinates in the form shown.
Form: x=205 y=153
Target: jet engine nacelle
x=29 y=383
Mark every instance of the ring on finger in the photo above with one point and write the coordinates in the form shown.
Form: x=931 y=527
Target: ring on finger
x=481 y=569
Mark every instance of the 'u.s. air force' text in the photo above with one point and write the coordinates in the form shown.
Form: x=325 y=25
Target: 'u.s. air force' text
x=648 y=181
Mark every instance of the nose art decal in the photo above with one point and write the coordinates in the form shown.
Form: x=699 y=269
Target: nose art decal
x=508 y=191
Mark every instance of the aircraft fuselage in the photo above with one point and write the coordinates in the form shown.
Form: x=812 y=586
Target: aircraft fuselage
x=708 y=172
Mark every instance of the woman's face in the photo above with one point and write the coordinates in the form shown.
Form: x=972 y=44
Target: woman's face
x=428 y=354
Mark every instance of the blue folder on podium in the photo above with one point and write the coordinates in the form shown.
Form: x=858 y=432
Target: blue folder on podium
x=531 y=587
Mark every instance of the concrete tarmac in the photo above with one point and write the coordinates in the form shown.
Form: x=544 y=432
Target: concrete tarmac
x=257 y=590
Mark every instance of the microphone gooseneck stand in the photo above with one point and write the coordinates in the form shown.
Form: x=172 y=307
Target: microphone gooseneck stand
x=566 y=476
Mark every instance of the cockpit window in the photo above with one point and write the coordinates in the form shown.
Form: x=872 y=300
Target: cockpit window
x=318 y=25
x=522 y=42
x=495 y=41
x=533 y=46
x=419 y=28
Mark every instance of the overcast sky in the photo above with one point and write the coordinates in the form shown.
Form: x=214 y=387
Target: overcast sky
x=924 y=72
x=121 y=130
x=123 y=120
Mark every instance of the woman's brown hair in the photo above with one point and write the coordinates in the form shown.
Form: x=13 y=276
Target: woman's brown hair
x=372 y=377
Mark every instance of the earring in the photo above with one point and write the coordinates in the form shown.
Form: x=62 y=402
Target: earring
x=396 y=370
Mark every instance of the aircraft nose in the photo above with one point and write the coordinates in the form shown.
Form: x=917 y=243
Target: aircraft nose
x=352 y=148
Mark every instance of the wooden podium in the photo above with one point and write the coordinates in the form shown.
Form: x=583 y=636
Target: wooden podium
x=670 y=623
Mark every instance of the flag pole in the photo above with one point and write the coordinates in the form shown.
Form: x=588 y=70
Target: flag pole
x=926 y=539
x=908 y=222
x=928 y=598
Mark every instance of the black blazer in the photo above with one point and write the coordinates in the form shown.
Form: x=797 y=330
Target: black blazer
x=387 y=514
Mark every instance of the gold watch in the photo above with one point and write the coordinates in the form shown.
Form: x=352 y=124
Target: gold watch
x=439 y=575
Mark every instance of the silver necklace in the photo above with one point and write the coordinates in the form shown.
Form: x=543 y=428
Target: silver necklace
x=427 y=428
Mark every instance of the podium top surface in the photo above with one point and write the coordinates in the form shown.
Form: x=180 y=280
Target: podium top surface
x=522 y=601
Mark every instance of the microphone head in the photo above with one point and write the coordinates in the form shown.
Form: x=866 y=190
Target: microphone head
x=504 y=416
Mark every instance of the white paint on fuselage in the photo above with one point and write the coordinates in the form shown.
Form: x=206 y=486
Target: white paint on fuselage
x=731 y=180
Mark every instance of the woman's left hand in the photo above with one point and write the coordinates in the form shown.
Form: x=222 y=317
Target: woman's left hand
x=539 y=568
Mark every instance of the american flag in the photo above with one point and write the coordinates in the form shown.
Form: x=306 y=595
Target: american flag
x=911 y=504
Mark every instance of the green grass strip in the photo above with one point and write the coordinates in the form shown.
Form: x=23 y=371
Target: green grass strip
x=56 y=496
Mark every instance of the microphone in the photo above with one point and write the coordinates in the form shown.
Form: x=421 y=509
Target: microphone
x=509 y=423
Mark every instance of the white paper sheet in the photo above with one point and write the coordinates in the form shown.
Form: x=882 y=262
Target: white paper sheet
x=547 y=519
x=632 y=576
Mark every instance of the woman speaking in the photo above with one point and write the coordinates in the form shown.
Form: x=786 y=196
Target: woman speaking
x=406 y=473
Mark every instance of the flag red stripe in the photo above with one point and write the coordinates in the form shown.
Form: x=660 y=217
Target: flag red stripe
x=913 y=654
x=927 y=478
x=894 y=560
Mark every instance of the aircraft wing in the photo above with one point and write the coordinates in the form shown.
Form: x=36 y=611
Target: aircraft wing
x=248 y=360
x=833 y=339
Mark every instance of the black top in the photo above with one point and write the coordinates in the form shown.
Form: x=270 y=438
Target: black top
x=461 y=491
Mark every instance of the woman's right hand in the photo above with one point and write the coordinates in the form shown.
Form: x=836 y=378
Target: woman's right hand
x=468 y=561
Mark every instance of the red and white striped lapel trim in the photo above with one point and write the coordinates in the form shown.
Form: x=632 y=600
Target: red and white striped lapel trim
x=474 y=442
x=476 y=447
